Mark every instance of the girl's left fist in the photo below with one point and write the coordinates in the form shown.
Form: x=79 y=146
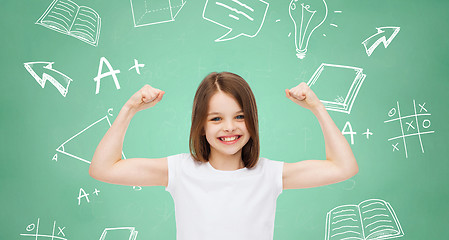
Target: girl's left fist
x=303 y=96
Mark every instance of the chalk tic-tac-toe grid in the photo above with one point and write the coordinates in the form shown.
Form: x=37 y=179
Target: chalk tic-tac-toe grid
x=411 y=126
x=33 y=232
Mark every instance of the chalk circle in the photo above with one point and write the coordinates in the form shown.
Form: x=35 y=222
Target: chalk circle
x=392 y=112
x=110 y=111
x=30 y=227
x=424 y=125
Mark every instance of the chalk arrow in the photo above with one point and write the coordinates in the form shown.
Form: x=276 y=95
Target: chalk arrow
x=372 y=42
x=45 y=69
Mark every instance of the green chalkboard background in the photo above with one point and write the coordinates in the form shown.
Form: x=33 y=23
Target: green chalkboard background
x=39 y=183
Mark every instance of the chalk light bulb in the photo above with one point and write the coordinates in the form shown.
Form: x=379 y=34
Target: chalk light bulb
x=307 y=16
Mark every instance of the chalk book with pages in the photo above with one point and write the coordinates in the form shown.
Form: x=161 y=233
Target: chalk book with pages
x=337 y=86
x=369 y=220
x=67 y=17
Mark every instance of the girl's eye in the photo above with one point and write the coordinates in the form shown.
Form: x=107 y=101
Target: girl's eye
x=216 y=119
x=240 y=117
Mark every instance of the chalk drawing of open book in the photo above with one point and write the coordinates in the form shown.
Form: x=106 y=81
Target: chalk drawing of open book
x=67 y=17
x=149 y=12
x=83 y=144
x=369 y=220
x=337 y=86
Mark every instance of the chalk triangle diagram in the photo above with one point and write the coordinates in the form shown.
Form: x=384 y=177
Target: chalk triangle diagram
x=337 y=86
x=83 y=144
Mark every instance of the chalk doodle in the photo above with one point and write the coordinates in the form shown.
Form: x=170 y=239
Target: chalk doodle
x=242 y=18
x=350 y=132
x=149 y=12
x=332 y=24
x=372 y=42
x=101 y=75
x=347 y=130
x=91 y=134
x=43 y=72
x=82 y=194
x=33 y=231
x=346 y=82
x=124 y=233
x=414 y=125
x=112 y=72
x=67 y=17
x=367 y=133
x=137 y=66
x=371 y=219
x=307 y=16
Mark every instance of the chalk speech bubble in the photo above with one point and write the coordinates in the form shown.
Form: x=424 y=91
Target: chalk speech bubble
x=241 y=17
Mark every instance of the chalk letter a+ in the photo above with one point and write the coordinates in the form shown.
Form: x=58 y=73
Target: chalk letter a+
x=101 y=75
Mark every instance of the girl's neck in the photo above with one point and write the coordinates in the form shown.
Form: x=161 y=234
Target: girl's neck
x=226 y=162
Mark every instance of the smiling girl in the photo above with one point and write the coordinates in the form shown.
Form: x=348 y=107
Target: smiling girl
x=223 y=189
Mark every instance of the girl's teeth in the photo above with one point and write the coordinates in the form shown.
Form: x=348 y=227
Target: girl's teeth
x=228 y=139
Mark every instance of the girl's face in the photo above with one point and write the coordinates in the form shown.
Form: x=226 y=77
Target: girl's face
x=225 y=126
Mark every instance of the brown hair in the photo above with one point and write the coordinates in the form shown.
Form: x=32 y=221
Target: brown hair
x=235 y=86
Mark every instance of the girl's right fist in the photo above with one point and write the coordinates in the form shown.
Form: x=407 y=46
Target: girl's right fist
x=145 y=98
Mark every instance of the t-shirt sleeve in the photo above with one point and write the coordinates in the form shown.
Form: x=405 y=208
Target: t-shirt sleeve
x=276 y=168
x=174 y=162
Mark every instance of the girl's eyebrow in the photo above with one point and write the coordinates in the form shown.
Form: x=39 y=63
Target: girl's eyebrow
x=218 y=113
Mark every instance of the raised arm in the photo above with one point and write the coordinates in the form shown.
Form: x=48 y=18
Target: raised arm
x=340 y=163
x=107 y=165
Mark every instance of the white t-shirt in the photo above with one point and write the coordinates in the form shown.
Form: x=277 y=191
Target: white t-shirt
x=212 y=204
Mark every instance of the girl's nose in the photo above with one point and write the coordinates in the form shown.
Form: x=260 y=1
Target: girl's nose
x=229 y=126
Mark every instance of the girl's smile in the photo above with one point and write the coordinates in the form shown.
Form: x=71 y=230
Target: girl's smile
x=229 y=139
